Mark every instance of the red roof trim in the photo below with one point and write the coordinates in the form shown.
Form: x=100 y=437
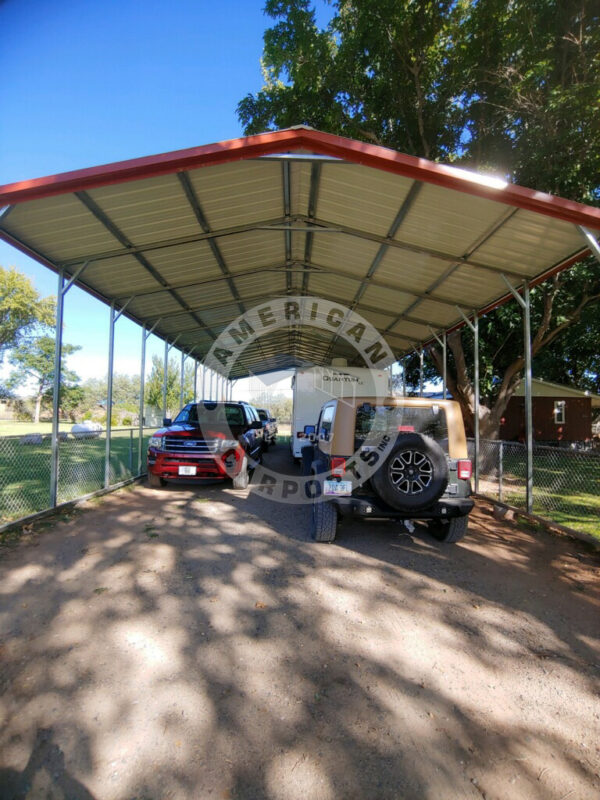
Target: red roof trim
x=295 y=139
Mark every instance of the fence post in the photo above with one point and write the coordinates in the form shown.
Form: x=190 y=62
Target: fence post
x=131 y=451
x=501 y=471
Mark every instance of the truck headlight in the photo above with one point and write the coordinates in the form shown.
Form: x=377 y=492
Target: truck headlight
x=157 y=442
x=227 y=444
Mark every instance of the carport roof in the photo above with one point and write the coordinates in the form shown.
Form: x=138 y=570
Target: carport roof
x=189 y=240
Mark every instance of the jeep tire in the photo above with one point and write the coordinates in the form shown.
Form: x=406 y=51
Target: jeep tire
x=414 y=475
x=448 y=531
x=324 y=521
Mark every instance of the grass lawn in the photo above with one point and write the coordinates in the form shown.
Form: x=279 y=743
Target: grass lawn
x=566 y=486
x=25 y=469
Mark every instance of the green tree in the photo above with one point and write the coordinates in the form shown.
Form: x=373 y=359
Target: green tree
x=507 y=86
x=154 y=385
x=22 y=311
x=34 y=360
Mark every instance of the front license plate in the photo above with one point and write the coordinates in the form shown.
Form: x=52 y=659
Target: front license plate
x=338 y=488
x=187 y=470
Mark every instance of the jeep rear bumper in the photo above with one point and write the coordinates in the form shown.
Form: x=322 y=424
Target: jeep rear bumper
x=372 y=506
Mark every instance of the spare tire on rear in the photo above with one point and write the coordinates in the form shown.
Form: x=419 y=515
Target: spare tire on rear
x=414 y=475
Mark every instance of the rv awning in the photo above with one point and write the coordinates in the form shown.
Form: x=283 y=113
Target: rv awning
x=191 y=239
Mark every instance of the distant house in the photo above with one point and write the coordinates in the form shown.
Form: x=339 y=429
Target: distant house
x=561 y=414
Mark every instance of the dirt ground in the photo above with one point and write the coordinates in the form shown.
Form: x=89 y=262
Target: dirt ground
x=194 y=643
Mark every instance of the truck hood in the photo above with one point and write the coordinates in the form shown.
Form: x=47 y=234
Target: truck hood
x=206 y=431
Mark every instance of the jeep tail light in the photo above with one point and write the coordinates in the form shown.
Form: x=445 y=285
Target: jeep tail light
x=406 y=428
x=338 y=466
x=465 y=469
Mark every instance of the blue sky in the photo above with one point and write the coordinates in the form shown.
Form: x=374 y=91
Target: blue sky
x=87 y=82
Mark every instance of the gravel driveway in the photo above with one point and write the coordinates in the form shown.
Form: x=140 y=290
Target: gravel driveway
x=194 y=643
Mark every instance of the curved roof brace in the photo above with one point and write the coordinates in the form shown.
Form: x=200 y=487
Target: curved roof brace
x=591 y=240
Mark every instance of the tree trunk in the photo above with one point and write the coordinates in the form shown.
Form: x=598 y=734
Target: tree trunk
x=38 y=406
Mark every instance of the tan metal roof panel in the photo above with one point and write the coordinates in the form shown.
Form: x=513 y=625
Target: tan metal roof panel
x=60 y=227
x=446 y=221
x=347 y=253
x=360 y=197
x=120 y=277
x=253 y=249
x=151 y=307
x=184 y=262
x=390 y=300
x=239 y=193
x=148 y=210
x=300 y=177
x=531 y=241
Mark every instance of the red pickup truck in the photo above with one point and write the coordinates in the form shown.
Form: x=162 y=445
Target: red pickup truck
x=207 y=440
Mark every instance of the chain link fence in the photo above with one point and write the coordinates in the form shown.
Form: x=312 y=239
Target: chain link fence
x=566 y=482
x=25 y=466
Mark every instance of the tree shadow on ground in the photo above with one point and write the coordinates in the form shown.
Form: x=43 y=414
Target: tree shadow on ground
x=193 y=642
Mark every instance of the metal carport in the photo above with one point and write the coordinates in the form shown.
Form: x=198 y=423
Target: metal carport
x=184 y=242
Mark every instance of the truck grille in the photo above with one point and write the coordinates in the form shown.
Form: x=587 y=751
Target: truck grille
x=179 y=444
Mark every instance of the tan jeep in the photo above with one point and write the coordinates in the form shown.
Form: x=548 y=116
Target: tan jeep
x=393 y=457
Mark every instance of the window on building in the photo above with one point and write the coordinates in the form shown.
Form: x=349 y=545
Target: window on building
x=559 y=412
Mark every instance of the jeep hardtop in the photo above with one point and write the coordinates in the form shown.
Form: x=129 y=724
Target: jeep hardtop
x=392 y=457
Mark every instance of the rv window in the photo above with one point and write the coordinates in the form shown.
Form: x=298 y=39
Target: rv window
x=560 y=416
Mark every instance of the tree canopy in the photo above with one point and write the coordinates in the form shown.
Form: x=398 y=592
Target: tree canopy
x=23 y=313
x=509 y=87
x=35 y=364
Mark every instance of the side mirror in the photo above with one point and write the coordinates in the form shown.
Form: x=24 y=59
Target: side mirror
x=272 y=419
x=256 y=424
x=167 y=421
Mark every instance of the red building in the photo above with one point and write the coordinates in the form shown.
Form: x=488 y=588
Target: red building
x=560 y=414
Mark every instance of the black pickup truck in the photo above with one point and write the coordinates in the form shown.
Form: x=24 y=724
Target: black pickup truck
x=269 y=426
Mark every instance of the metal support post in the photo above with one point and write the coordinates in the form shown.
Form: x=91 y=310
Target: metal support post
x=528 y=395
x=476 y=388
x=165 y=373
x=56 y=390
x=421 y=354
x=445 y=356
x=204 y=381
x=525 y=303
x=442 y=344
x=474 y=328
x=142 y=390
x=403 y=365
x=109 y=389
x=145 y=336
x=195 y=380
x=210 y=386
x=501 y=472
x=181 y=379
x=60 y=301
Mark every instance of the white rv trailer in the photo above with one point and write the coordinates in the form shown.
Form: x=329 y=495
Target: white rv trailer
x=313 y=387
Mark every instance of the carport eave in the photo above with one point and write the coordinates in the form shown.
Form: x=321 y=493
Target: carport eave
x=318 y=143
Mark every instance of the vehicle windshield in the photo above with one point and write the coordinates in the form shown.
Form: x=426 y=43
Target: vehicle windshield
x=372 y=420
x=263 y=414
x=211 y=414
